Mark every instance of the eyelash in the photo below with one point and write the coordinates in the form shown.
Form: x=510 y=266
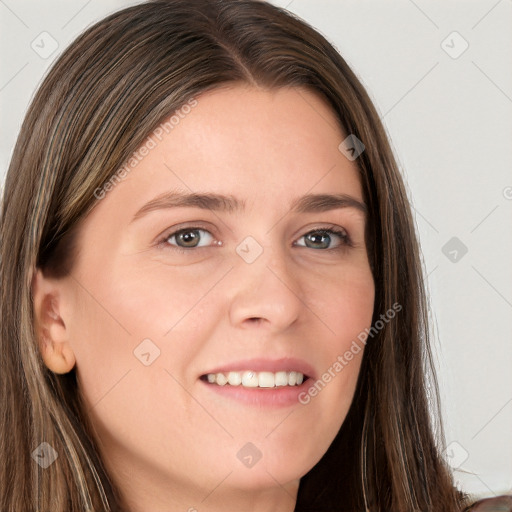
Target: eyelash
x=342 y=234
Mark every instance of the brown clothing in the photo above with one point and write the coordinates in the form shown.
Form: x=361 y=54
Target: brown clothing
x=498 y=504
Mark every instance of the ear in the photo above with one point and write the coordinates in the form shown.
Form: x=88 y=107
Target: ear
x=50 y=328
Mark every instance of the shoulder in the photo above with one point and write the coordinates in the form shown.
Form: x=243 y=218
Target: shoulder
x=498 y=504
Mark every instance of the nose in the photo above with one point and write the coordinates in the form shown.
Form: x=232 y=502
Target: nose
x=266 y=293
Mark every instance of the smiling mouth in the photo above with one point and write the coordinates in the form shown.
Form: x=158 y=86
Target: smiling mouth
x=253 y=379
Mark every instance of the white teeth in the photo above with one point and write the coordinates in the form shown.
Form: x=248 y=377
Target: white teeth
x=266 y=380
x=281 y=379
x=251 y=379
x=221 y=379
x=234 y=378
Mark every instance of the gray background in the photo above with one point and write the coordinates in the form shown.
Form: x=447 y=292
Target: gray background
x=448 y=113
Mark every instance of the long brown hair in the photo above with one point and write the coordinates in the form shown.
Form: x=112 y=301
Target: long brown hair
x=111 y=88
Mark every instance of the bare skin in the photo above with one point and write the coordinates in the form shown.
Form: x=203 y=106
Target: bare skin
x=170 y=441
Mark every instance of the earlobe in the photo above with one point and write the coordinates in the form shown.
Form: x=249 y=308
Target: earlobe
x=50 y=328
x=58 y=357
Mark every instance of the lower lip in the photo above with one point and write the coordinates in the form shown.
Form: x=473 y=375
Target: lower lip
x=284 y=396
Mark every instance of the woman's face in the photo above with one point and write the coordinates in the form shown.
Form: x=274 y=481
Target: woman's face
x=167 y=289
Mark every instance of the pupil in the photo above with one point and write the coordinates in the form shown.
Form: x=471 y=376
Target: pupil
x=189 y=238
x=319 y=238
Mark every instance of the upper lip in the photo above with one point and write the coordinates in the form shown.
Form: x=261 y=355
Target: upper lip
x=286 y=364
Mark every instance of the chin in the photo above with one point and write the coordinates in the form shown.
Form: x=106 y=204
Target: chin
x=262 y=477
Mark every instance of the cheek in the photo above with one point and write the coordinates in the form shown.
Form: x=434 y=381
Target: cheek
x=157 y=298
x=136 y=302
x=137 y=408
x=126 y=318
x=344 y=307
x=344 y=303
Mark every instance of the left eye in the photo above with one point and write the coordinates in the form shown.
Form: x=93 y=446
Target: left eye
x=190 y=238
x=323 y=238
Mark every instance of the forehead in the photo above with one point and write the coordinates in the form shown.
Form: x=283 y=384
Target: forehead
x=265 y=148
x=254 y=139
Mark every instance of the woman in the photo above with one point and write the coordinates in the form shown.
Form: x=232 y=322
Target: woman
x=212 y=294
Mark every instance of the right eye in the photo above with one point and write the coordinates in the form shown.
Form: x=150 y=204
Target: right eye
x=189 y=238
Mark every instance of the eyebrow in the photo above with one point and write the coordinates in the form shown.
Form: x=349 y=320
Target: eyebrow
x=309 y=203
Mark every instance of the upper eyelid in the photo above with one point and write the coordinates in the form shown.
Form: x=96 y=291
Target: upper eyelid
x=176 y=229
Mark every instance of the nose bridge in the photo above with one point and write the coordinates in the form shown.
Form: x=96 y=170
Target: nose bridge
x=265 y=287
